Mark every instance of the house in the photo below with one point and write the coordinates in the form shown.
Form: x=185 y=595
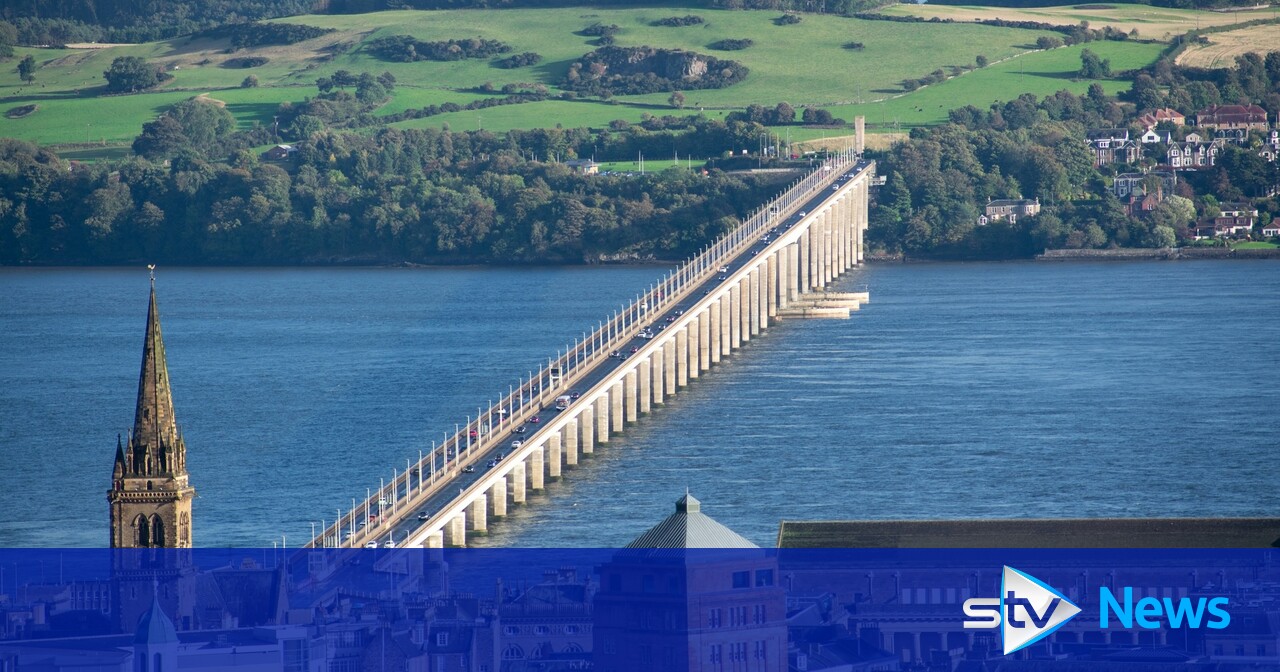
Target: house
x=583 y=166
x=1272 y=230
x=1127 y=183
x=1112 y=145
x=1249 y=117
x=1237 y=218
x=1151 y=119
x=279 y=153
x=1140 y=203
x=1192 y=155
x=1239 y=136
x=1153 y=136
x=1010 y=209
x=1194 y=137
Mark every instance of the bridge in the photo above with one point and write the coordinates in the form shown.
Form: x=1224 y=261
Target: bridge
x=776 y=264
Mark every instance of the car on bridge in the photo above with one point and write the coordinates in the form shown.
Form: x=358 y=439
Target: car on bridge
x=517 y=443
x=423 y=514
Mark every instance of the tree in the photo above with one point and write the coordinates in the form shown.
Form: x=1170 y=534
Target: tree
x=1092 y=67
x=981 y=61
x=27 y=69
x=783 y=113
x=8 y=38
x=160 y=138
x=676 y=100
x=250 y=82
x=132 y=73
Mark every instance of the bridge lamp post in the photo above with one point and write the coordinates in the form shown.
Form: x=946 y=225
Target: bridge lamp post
x=313 y=529
x=324 y=530
x=353 y=518
x=468 y=434
x=408 y=479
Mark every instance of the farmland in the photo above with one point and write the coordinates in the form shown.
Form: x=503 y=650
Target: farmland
x=1154 y=23
x=1223 y=47
x=803 y=64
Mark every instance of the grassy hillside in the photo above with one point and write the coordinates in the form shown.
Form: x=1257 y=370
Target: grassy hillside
x=803 y=64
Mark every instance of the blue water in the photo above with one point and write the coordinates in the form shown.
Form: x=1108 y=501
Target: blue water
x=962 y=390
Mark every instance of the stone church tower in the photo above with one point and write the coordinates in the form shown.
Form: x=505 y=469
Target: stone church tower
x=150 y=497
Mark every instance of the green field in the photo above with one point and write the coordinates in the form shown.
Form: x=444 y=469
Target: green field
x=1255 y=245
x=802 y=64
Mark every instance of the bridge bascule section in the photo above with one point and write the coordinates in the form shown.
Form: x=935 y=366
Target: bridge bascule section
x=774 y=264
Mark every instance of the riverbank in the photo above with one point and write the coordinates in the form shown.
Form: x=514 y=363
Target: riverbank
x=1166 y=253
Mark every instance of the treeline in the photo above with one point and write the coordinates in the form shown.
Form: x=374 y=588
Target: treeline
x=419 y=195
x=611 y=71
x=1072 y=34
x=406 y=49
x=244 y=35
x=69 y=21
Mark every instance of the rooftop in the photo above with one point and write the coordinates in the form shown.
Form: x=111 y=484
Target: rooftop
x=1034 y=533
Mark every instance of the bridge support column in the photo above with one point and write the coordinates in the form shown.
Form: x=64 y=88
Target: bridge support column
x=536 y=469
x=713 y=329
x=455 y=533
x=555 y=453
x=814 y=256
x=434 y=540
x=682 y=357
x=631 y=402
x=771 y=286
x=793 y=271
x=478 y=516
x=828 y=246
x=833 y=248
x=644 y=393
x=735 y=316
x=725 y=326
x=616 y=418
x=518 y=482
x=842 y=219
x=753 y=301
x=602 y=416
x=744 y=314
x=571 y=437
x=802 y=269
x=498 y=498
x=658 y=375
x=704 y=340
x=588 y=423
x=695 y=345
x=669 y=364
x=862 y=216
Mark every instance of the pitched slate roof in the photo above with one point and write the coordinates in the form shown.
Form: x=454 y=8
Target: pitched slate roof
x=688 y=527
x=1034 y=533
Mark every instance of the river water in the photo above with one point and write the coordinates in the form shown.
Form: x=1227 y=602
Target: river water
x=960 y=391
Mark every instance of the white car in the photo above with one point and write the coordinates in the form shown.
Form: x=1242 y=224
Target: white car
x=371 y=544
x=390 y=543
x=517 y=443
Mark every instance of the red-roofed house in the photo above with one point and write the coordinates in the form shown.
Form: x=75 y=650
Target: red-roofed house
x=1232 y=116
x=1150 y=119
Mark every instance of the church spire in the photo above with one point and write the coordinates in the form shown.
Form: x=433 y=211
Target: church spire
x=151 y=494
x=155 y=441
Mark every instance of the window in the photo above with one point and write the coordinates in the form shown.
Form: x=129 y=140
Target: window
x=759 y=614
x=295 y=655
x=511 y=630
x=717 y=651
x=713 y=618
x=609 y=645
x=742 y=579
x=513 y=652
x=442 y=639
x=541 y=629
x=570 y=629
x=764 y=577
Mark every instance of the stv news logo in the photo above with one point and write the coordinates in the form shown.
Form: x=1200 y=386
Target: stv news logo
x=1029 y=611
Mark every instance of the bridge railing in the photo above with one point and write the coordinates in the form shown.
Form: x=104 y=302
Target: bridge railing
x=522 y=400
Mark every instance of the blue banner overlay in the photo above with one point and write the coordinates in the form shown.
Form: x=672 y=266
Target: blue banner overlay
x=492 y=610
